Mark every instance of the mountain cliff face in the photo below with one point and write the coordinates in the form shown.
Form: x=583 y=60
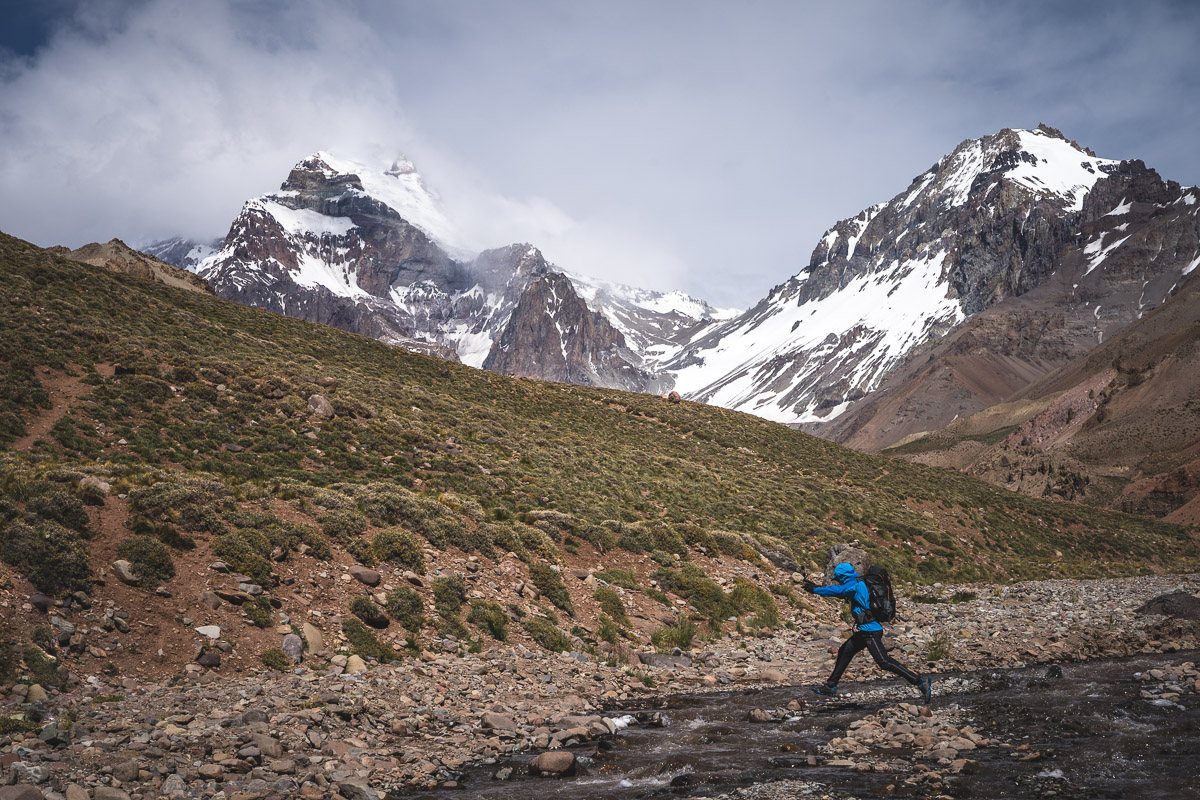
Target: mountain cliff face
x=553 y=333
x=1136 y=240
x=369 y=251
x=1118 y=426
x=1010 y=256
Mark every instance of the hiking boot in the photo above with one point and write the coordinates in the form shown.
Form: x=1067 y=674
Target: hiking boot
x=825 y=689
x=925 y=685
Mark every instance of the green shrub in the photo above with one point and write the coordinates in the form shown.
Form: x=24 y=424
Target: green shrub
x=43 y=669
x=449 y=593
x=489 y=617
x=749 y=597
x=247 y=551
x=151 y=559
x=342 y=525
x=609 y=632
x=547 y=634
x=191 y=503
x=259 y=612
x=9 y=657
x=62 y=507
x=678 y=635
x=365 y=609
x=276 y=659
x=406 y=607
x=52 y=558
x=163 y=531
x=610 y=604
x=364 y=643
x=401 y=546
x=362 y=552
x=618 y=577
x=550 y=583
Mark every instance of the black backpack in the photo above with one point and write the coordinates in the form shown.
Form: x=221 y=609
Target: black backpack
x=879 y=589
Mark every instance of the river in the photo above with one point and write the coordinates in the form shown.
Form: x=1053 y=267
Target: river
x=1095 y=737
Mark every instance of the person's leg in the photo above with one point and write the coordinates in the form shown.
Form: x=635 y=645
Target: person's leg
x=875 y=648
x=847 y=651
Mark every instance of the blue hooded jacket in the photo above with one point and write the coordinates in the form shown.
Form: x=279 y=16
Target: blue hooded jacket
x=851 y=588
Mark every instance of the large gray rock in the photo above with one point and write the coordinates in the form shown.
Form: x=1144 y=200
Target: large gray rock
x=664 y=660
x=21 y=792
x=368 y=576
x=318 y=406
x=846 y=553
x=293 y=645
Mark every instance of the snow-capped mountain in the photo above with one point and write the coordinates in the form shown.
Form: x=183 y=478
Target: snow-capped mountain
x=369 y=249
x=993 y=220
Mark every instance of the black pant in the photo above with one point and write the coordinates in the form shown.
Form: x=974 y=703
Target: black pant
x=873 y=641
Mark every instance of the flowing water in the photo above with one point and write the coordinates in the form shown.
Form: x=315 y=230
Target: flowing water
x=1097 y=738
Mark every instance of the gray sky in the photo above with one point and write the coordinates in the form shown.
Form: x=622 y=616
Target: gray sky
x=703 y=146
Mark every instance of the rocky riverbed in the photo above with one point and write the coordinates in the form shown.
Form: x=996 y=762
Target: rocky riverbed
x=429 y=723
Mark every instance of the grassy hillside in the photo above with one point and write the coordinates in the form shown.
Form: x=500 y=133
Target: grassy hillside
x=198 y=411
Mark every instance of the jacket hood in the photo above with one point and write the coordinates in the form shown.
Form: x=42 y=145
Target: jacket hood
x=844 y=573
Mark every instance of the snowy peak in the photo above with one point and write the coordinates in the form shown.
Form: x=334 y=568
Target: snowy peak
x=395 y=184
x=985 y=223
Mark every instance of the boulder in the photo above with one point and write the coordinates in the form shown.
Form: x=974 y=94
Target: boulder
x=1176 y=604
x=36 y=695
x=126 y=771
x=21 y=792
x=109 y=793
x=209 y=660
x=318 y=406
x=211 y=631
x=314 y=637
x=90 y=482
x=293 y=645
x=500 y=722
x=553 y=764
x=663 y=660
x=846 y=553
x=355 y=665
x=124 y=570
x=368 y=576
x=211 y=600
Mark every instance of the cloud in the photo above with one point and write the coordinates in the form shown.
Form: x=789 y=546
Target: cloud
x=704 y=145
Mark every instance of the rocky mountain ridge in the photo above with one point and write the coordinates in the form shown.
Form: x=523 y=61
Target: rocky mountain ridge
x=1012 y=255
x=983 y=228
x=370 y=251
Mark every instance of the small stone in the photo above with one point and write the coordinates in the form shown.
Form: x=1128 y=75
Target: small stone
x=110 y=793
x=759 y=715
x=209 y=660
x=211 y=631
x=211 y=600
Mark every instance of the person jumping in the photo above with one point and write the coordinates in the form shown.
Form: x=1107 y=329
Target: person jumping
x=868 y=633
